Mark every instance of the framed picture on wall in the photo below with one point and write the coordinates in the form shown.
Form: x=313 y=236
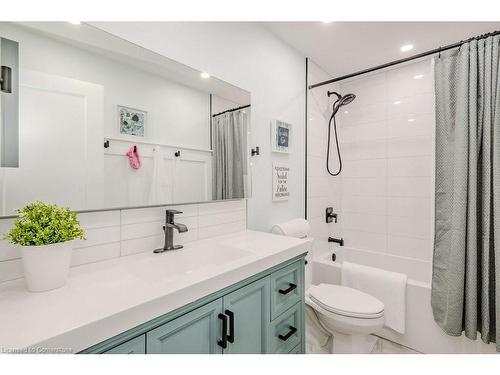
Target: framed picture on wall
x=281 y=173
x=132 y=121
x=281 y=135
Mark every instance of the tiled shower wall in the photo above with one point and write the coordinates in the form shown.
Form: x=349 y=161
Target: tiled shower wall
x=384 y=195
x=112 y=234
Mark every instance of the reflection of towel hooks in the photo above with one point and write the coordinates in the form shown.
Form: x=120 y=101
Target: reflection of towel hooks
x=106 y=143
x=177 y=154
x=135 y=148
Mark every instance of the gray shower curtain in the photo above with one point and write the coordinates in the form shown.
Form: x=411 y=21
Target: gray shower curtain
x=466 y=267
x=229 y=161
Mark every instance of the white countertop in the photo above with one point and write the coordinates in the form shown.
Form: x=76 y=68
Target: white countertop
x=106 y=298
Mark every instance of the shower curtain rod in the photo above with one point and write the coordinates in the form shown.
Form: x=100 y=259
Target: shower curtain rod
x=400 y=61
x=232 y=110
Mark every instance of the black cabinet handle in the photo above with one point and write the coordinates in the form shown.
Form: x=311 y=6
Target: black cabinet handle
x=223 y=343
x=230 y=337
x=289 y=334
x=288 y=290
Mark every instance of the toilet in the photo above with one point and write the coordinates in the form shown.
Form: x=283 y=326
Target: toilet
x=347 y=315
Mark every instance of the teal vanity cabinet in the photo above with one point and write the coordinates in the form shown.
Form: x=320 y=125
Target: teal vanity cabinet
x=134 y=346
x=248 y=311
x=196 y=332
x=262 y=314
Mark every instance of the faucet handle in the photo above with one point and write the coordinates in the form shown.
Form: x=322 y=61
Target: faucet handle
x=173 y=212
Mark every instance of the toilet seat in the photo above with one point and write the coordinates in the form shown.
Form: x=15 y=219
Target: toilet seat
x=346 y=301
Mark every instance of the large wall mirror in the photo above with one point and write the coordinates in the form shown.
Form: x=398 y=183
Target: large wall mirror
x=104 y=123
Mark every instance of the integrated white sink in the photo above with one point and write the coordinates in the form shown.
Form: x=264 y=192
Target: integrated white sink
x=188 y=260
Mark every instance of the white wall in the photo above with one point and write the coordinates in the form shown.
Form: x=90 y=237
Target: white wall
x=248 y=56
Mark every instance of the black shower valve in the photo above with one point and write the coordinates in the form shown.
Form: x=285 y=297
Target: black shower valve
x=330 y=215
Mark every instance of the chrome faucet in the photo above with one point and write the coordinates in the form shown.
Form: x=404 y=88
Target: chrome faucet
x=168 y=228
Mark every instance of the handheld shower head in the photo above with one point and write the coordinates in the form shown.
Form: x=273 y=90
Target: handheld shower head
x=341 y=100
x=346 y=99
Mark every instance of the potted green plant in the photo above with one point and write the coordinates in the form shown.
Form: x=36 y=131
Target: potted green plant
x=45 y=234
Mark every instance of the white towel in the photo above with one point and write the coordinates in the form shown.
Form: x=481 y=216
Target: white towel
x=388 y=287
x=155 y=190
x=294 y=228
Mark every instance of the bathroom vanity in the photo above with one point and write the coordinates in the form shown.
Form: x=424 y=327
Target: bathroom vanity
x=239 y=293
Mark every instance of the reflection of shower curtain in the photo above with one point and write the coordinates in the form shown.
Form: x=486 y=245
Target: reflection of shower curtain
x=228 y=134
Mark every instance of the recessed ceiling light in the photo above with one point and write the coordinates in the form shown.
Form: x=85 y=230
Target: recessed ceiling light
x=406 y=47
x=204 y=75
x=75 y=22
x=418 y=76
x=346 y=112
x=327 y=21
x=310 y=119
x=397 y=102
x=411 y=120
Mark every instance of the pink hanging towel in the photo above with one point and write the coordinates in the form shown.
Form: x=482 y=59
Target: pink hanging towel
x=133 y=157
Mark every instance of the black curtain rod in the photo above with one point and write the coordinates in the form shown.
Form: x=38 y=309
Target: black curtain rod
x=400 y=61
x=232 y=110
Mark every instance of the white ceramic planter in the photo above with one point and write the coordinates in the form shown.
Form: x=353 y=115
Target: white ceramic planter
x=46 y=267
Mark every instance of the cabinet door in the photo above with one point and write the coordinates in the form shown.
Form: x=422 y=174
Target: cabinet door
x=134 y=346
x=196 y=332
x=250 y=311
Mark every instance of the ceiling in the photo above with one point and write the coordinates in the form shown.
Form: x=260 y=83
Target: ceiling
x=345 y=47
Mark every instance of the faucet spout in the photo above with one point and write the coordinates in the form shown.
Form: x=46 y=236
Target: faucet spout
x=181 y=228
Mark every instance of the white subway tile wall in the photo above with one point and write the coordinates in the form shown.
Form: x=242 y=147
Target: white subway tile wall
x=385 y=192
x=112 y=234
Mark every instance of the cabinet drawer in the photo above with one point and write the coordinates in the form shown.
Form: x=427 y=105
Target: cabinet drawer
x=134 y=346
x=285 y=333
x=286 y=288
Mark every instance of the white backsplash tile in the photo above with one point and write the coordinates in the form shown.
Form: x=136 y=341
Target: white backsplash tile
x=219 y=230
x=364 y=222
x=409 y=226
x=98 y=236
x=111 y=234
x=409 y=207
x=91 y=220
x=410 y=247
x=364 y=205
x=369 y=187
x=365 y=168
x=140 y=245
x=95 y=253
x=11 y=269
x=419 y=166
x=221 y=218
x=365 y=240
x=364 y=150
x=409 y=146
x=409 y=187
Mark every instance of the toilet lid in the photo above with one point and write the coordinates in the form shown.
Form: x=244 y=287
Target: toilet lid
x=346 y=301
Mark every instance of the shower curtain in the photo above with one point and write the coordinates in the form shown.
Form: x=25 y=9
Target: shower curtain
x=466 y=267
x=229 y=147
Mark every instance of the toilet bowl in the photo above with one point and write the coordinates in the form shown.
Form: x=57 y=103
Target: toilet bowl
x=348 y=315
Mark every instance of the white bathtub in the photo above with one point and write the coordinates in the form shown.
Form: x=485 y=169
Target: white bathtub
x=422 y=333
